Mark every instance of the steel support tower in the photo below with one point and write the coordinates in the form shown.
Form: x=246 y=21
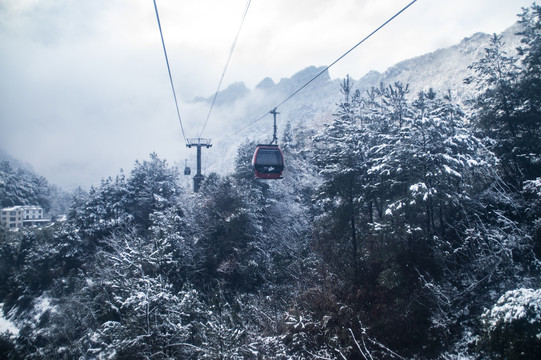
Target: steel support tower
x=198 y=143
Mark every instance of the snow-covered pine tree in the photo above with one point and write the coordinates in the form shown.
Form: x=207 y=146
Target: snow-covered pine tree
x=340 y=157
x=497 y=106
x=152 y=186
x=22 y=187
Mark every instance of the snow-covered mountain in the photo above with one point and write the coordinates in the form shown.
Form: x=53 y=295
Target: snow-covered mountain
x=442 y=69
x=15 y=163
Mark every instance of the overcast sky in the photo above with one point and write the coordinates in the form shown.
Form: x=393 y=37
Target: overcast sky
x=83 y=83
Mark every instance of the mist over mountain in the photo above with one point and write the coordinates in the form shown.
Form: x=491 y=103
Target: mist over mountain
x=14 y=163
x=229 y=95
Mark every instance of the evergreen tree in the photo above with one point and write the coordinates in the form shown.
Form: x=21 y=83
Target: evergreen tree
x=225 y=235
x=508 y=107
x=152 y=186
x=340 y=161
x=396 y=100
x=507 y=114
x=22 y=187
x=530 y=83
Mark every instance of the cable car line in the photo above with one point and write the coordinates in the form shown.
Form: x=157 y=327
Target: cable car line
x=226 y=65
x=328 y=67
x=169 y=71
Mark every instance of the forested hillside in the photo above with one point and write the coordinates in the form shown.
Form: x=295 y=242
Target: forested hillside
x=406 y=227
x=21 y=186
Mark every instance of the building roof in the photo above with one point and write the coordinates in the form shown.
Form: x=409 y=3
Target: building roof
x=13 y=208
x=22 y=207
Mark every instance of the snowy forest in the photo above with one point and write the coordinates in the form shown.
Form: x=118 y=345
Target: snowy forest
x=406 y=227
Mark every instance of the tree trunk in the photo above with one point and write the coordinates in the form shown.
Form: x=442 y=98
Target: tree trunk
x=355 y=250
x=353 y=235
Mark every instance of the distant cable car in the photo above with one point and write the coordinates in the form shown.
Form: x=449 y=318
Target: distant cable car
x=268 y=162
x=187 y=170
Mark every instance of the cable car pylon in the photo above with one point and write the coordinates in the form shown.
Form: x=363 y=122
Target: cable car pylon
x=198 y=143
x=274 y=137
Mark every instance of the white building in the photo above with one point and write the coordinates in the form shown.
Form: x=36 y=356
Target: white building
x=18 y=216
x=12 y=217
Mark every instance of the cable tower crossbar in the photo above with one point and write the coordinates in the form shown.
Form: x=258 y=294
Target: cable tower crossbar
x=169 y=72
x=329 y=66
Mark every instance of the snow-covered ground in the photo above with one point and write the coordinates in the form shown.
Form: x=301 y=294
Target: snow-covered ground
x=5 y=324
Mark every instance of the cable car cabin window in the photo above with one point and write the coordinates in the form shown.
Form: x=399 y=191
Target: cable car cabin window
x=268 y=157
x=268 y=162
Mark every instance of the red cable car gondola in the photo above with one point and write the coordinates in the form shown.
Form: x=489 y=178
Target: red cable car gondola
x=268 y=162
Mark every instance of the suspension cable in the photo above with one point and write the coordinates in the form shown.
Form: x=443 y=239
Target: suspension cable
x=169 y=71
x=226 y=65
x=328 y=67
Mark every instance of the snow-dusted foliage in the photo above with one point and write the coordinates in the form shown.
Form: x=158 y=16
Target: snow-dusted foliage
x=152 y=186
x=515 y=305
x=22 y=187
x=405 y=184
x=512 y=327
x=418 y=209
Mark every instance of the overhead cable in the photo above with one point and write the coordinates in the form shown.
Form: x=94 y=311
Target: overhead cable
x=169 y=71
x=333 y=63
x=226 y=65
